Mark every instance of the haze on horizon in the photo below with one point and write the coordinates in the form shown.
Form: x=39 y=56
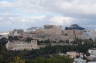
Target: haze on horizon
x=28 y=13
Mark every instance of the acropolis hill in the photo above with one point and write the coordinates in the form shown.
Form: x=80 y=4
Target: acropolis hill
x=54 y=34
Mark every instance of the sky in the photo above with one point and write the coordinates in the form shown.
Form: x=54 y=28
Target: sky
x=22 y=14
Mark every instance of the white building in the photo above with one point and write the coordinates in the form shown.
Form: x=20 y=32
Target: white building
x=92 y=56
x=92 y=62
x=18 y=45
x=79 y=60
x=72 y=54
x=4 y=34
x=92 y=51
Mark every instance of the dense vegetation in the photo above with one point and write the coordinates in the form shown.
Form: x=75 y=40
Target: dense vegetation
x=48 y=54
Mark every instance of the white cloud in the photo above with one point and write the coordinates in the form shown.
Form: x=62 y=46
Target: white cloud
x=31 y=19
x=38 y=17
x=61 y=20
x=6 y=4
x=37 y=12
x=77 y=6
x=47 y=6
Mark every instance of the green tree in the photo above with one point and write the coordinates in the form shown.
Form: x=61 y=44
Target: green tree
x=55 y=59
x=18 y=59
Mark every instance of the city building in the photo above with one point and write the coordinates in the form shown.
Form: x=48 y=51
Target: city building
x=92 y=62
x=92 y=53
x=16 y=32
x=73 y=54
x=79 y=60
x=4 y=34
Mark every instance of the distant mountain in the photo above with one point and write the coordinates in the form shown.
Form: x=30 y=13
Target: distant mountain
x=74 y=26
x=33 y=28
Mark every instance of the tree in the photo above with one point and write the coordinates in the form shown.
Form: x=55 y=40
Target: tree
x=1 y=59
x=10 y=38
x=55 y=59
x=18 y=59
x=3 y=41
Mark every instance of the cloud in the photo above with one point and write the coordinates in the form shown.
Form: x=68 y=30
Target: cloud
x=85 y=7
x=6 y=4
x=53 y=6
x=39 y=12
x=61 y=20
